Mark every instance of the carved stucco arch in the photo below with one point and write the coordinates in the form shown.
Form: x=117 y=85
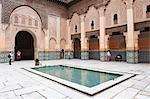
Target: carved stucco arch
x=108 y=2
x=34 y=38
x=26 y=6
x=13 y=29
x=53 y=45
x=61 y=43
x=75 y=20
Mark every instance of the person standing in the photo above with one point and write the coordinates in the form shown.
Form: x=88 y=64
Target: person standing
x=18 y=55
x=62 y=53
x=108 y=55
x=10 y=58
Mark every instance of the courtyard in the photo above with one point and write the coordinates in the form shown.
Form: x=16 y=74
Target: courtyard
x=17 y=83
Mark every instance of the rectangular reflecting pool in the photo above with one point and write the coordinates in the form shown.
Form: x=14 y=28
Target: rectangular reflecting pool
x=81 y=79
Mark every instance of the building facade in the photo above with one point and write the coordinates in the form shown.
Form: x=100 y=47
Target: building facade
x=86 y=29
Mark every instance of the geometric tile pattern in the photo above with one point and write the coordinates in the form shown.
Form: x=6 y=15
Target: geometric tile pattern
x=84 y=55
x=103 y=56
x=4 y=56
x=69 y=55
x=132 y=56
x=49 y=55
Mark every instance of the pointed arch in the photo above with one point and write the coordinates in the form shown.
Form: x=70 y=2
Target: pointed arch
x=52 y=44
x=28 y=7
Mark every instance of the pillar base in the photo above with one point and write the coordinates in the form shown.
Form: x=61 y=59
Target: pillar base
x=132 y=57
x=84 y=55
x=103 y=56
x=68 y=54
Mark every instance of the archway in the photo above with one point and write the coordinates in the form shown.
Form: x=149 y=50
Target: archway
x=24 y=43
x=77 y=48
x=117 y=45
x=144 y=47
x=94 y=48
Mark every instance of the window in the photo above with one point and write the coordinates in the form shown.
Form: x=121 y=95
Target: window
x=148 y=11
x=115 y=19
x=92 y=25
x=76 y=28
x=36 y=23
x=16 y=19
x=30 y=21
x=23 y=19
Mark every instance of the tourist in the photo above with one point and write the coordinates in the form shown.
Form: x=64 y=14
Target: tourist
x=18 y=57
x=10 y=57
x=37 y=62
x=62 y=53
x=108 y=55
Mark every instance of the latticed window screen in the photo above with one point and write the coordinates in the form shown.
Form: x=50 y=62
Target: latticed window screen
x=92 y=25
x=115 y=19
x=16 y=19
x=148 y=11
x=76 y=28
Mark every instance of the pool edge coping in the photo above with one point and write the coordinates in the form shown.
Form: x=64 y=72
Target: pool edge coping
x=90 y=91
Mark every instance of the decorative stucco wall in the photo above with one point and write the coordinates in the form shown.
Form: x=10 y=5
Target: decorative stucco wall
x=75 y=21
x=140 y=7
x=92 y=15
x=116 y=7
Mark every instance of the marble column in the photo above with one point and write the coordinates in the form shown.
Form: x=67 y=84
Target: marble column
x=58 y=38
x=84 y=52
x=46 y=43
x=102 y=41
x=131 y=50
x=69 y=49
x=58 y=33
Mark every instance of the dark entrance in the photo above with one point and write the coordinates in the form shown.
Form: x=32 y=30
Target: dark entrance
x=77 y=48
x=144 y=46
x=117 y=45
x=94 y=48
x=25 y=44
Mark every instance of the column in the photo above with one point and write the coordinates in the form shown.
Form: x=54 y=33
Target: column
x=58 y=38
x=0 y=16
x=3 y=52
x=132 y=52
x=2 y=35
x=69 y=50
x=58 y=33
x=84 y=52
x=46 y=43
x=102 y=39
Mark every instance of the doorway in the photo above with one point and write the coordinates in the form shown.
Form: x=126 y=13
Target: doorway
x=117 y=45
x=77 y=48
x=94 y=48
x=24 y=43
x=144 y=47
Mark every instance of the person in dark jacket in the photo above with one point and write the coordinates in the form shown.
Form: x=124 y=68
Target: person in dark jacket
x=10 y=57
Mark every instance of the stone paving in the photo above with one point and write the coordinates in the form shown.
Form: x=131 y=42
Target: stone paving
x=17 y=83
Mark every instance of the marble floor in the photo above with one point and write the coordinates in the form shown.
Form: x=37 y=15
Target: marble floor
x=17 y=83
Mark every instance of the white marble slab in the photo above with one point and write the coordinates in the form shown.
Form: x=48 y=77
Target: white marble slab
x=33 y=95
x=28 y=90
x=51 y=94
x=127 y=94
x=9 y=88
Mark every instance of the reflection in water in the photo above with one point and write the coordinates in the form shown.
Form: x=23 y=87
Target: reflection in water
x=83 y=77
